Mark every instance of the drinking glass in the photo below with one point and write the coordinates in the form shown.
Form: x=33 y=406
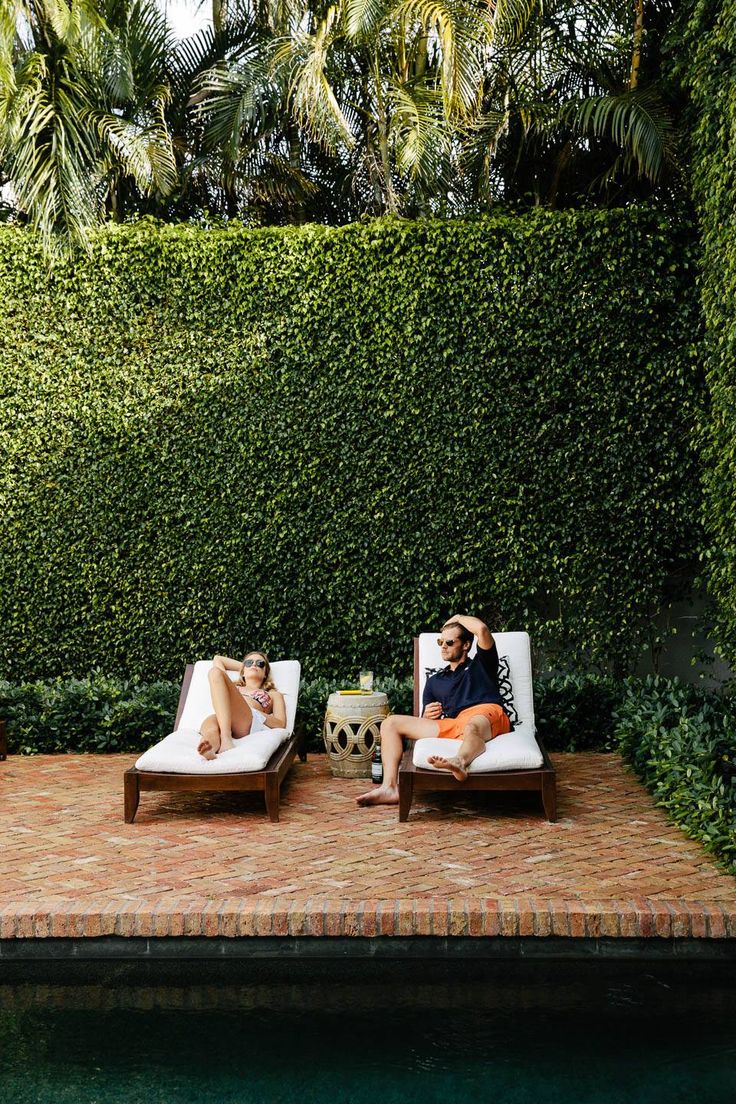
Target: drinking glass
x=366 y=681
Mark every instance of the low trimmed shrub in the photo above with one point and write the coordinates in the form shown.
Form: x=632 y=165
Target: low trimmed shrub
x=95 y=714
x=102 y=714
x=574 y=712
x=681 y=741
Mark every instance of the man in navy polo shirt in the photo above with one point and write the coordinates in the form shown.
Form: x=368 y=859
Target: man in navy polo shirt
x=460 y=702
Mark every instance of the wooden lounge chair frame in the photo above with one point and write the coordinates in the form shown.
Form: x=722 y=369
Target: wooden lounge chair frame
x=413 y=779
x=268 y=780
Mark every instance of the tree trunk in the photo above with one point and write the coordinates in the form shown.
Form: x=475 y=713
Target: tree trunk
x=295 y=161
x=219 y=14
x=636 y=46
x=561 y=163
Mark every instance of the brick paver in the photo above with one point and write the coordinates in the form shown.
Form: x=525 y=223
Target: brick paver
x=214 y=865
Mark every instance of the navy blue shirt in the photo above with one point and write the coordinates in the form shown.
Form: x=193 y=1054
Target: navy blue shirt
x=474 y=682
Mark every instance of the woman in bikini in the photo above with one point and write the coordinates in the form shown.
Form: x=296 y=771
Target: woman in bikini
x=247 y=705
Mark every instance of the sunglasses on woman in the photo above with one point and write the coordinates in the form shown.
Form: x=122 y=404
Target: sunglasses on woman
x=254 y=663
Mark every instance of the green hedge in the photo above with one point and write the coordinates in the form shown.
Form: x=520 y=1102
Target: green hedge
x=322 y=440
x=682 y=743
x=708 y=69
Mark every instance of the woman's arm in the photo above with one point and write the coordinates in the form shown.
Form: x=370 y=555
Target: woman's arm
x=277 y=719
x=226 y=664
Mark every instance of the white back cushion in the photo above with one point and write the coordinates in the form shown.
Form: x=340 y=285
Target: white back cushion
x=515 y=645
x=198 y=705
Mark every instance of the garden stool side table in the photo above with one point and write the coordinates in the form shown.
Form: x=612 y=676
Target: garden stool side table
x=351 y=732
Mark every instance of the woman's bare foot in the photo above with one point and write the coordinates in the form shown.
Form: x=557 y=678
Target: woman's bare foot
x=381 y=795
x=454 y=766
x=226 y=743
x=208 y=747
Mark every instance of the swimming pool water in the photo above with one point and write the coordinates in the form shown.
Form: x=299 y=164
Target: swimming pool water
x=638 y=1043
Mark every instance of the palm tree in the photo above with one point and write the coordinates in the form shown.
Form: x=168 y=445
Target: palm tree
x=569 y=107
x=82 y=110
x=385 y=86
x=251 y=146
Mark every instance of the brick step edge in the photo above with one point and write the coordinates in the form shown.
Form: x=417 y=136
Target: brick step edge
x=515 y=917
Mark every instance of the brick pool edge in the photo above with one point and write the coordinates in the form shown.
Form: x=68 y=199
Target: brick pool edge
x=326 y=918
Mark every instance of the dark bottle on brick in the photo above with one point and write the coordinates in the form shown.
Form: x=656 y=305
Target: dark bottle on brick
x=377 y=765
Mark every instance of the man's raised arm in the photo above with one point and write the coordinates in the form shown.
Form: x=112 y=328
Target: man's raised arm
x=477 y=627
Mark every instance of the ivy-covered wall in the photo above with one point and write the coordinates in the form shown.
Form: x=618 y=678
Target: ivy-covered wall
x=323 y=441
x=709 y=69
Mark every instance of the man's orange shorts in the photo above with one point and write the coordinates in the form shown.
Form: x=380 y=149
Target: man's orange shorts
x=451 y=728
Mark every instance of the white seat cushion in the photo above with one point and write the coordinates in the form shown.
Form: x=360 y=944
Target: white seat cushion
x=517 y=750
x=177 y=753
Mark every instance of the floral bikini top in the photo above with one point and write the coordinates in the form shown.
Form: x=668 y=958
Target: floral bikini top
x=263 y=697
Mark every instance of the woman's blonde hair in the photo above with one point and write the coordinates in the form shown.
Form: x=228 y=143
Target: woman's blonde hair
x=268 y=683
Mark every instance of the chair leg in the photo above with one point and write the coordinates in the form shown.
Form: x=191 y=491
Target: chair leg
x=549 y=796
x=406 y=793
x=271 y=794
x=302 y=747
x=132 y=794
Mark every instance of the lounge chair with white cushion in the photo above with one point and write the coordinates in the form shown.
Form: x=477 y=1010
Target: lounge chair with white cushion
x=514 y=761
x=257 y=762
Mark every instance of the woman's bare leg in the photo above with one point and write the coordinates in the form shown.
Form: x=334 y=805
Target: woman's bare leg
x=233 y=713
x=393 y=731
x=476 y=734
x=209 y=745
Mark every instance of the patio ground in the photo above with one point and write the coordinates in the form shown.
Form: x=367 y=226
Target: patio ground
x=214 y=865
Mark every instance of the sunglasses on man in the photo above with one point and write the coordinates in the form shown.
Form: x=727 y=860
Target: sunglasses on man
x=254 y=663
x=449 y=643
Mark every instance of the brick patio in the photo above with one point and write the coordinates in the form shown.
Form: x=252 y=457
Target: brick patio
x=214 y=865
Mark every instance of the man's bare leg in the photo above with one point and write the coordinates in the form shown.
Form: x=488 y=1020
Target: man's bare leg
x=393 y=731
x=476 y=734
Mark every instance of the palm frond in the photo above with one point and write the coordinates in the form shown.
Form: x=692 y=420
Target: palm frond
x=50 y=155
x=511 y=19
x=364 y=17
x=421 y=134
x=144 y=153
x=636 y=121
x=462 y=34
x=305 y=57
x=235 y=102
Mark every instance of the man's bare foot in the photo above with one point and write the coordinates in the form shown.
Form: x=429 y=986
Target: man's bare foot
x=380 y=795
x=207 y=748
x=454 y=766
